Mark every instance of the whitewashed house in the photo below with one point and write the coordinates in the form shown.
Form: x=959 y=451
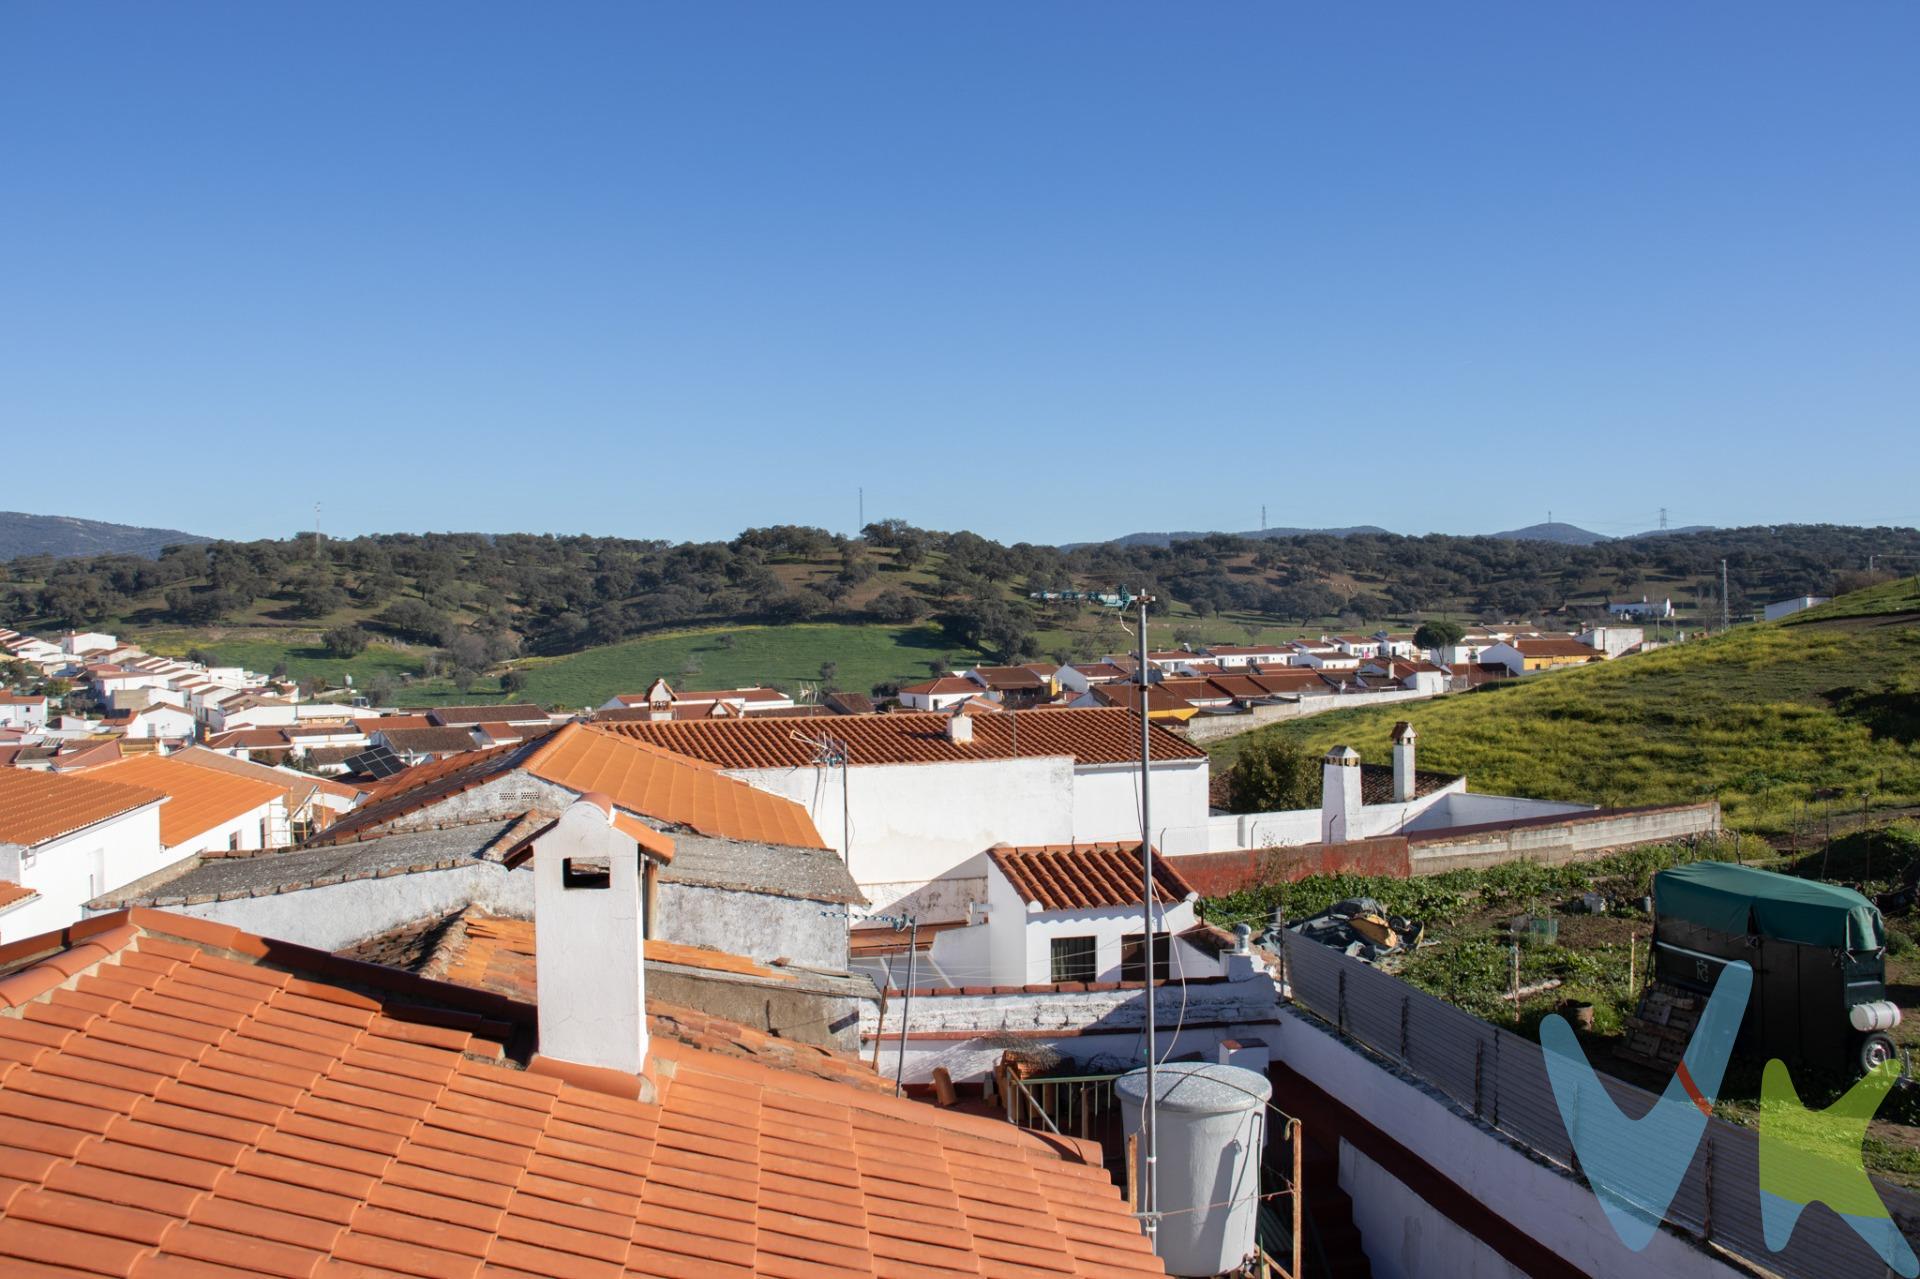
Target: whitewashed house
x=64 y=839
x=23 y=711
x=921 y=796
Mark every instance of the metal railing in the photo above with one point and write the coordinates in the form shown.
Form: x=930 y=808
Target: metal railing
x=1501 y=1079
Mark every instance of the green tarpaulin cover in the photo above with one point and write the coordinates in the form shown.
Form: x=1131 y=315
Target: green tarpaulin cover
x=1741 y=900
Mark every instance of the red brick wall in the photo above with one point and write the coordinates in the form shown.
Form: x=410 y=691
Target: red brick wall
x=1216 y=874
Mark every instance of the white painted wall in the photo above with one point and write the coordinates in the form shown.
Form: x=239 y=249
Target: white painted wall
x=1404 y=1236
x=28 y=715
x=1463 y=808
x=1026 y=953
x=252 y=827
x=72 y=870
x=1106 y=799
x=1546 y=1202
x=916 y=823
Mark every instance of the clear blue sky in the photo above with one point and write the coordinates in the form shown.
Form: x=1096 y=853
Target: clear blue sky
x=1050 y=271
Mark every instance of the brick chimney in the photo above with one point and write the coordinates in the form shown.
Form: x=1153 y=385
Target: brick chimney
x=1340 y=795
x=589 y=930
x=1403 y=783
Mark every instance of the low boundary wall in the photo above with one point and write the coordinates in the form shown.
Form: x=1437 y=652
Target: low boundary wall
x=1211 y=728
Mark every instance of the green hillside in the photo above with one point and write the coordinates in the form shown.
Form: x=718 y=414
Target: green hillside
x=1766 y=718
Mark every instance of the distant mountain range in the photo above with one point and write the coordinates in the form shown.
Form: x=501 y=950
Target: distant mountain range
x=1168 y=539
x=64 y=537
x=1574 y=535
x=1566 y=534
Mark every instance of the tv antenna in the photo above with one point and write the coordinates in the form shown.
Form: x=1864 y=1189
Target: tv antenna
x=833 y=752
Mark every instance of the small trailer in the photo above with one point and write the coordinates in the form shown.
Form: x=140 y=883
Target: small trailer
x=1818 y=953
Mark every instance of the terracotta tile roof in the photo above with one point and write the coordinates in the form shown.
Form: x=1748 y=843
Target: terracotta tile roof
x=36 y=807
x=250 y=739
x=296 y=785
x=1085 y=876
x=1376 y=783
x=945 y=685
x=635 y=775
x=1101 y=671
x=21 y=699
x=502 y=713
x=493 y=952
x=198 y=799
x=1093 y=736
x=520 y=849
x=181 y=1099
x=427 y=741
x=1127 y=697
x=12 y=894
x=393 y=721
x=642 y=778
x=1009 y=677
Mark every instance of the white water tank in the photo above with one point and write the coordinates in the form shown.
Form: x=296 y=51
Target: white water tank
x=1211 y=1122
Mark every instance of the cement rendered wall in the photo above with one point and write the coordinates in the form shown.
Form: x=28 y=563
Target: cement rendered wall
x=1292 y=827
x=1211 y=728
x=1404 y=1236
x=1562 y=841
x=1095 y=1029
x=339 y=915
x=757 y=925
x=1463 y=808
x=1546 y=1202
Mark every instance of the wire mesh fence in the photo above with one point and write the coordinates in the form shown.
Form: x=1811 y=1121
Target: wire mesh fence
x=1502 y=1080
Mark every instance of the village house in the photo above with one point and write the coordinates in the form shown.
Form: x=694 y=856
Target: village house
x=65 y=839
x=206 y=810
x=666 y=702
x=1525 y=655
x=937 y=694
x=26 y=711
x=921 y=796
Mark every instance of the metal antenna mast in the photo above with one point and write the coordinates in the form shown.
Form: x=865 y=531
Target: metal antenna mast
x=316 y=530
x=1663 y=519
x=863 y=508
x=1726 y=615
x=1150 y=1202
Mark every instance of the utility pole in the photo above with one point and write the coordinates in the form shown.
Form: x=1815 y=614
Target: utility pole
x=863 y=508
x=1150 y=1203
x=1726 y=613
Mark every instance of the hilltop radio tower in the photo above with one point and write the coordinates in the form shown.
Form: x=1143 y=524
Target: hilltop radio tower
x=1663 y=519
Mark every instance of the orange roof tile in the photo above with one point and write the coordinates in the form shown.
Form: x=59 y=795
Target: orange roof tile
x=36 y=807
x=1082 y=876
x=642 y=778
x=12 y=894
x=635 y=775
x=168 y=1109
x=1092 y=736
x=198 y=799
x=296 y=785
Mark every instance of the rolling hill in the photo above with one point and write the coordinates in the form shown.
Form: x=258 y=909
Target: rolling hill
x=64 y=537
x=1774 y=720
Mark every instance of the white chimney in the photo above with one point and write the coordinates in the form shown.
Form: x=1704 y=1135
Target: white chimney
x=1340 y=795
x=1403 y=736
x=589 y=953
x=959 y=726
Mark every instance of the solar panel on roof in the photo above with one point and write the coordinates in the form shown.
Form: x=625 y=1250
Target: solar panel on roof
x=378 y=762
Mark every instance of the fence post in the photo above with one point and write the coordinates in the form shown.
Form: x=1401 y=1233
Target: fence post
x=1706 y=1209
